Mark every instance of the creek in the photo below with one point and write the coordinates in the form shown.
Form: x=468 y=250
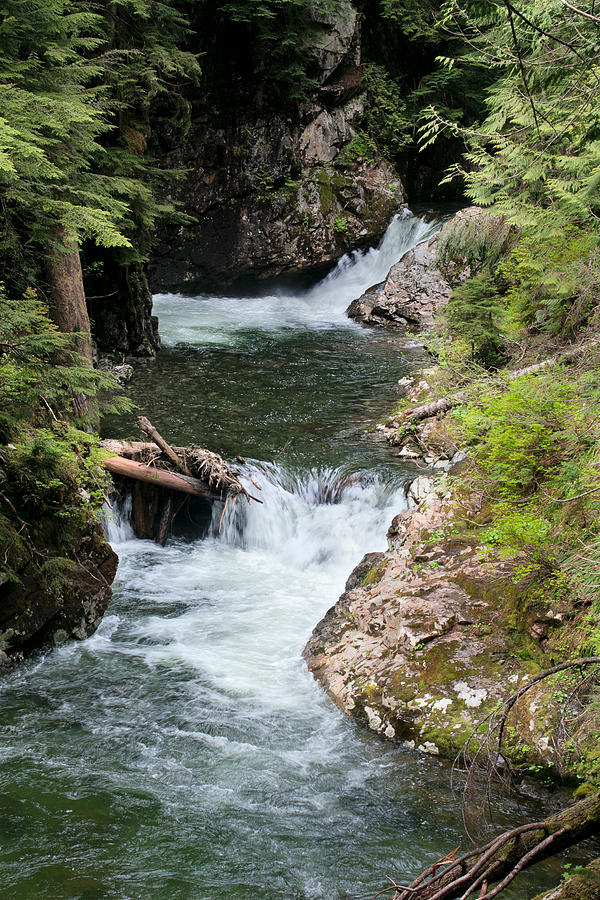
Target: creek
x=184 y=751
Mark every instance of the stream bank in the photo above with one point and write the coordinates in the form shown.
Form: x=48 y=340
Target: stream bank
x=433 y=634
x=184 y=749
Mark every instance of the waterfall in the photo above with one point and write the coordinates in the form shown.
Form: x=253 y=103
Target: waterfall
x=116 y=521
x=309 y=519
x=227 y=321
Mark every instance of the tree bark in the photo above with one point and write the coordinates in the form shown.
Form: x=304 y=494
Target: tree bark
x=159 y=477
x=65 y=279
x=501 y=860
x=148 y=428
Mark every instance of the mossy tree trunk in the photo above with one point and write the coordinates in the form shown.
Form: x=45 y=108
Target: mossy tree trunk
x=500 y=861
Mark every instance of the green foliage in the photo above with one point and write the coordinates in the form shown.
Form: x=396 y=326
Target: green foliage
x=472 y=317
x=40 y=372
x=535 y=446
x=76 y=81
x=553 y=282
x=386 y=119
x=285 y=37
x=473 y=243
x=417 y=19
x=550 y=283
x=402 y=42
x=361 y=147
x=536 y=154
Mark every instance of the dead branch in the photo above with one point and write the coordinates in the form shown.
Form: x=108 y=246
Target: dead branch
x=204 y=466
x=148 y=428
x=500 y=861
x=445 y=404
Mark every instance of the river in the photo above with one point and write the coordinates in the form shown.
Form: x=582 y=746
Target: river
x=184 y=751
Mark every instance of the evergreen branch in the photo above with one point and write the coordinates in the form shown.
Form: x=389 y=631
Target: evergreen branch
x=580 y=12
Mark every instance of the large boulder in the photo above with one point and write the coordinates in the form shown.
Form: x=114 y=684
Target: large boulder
x=428 y=640
x=411 y=294
x=419 y=285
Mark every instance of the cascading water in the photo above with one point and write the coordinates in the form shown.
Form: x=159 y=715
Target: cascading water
x=184 y=751
x=228 y=321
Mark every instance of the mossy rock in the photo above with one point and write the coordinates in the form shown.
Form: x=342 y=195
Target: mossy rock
x=583 y=884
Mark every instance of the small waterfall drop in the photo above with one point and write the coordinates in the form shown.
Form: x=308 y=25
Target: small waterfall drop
x=310 y=519
x=116 y=521
x=229 y=321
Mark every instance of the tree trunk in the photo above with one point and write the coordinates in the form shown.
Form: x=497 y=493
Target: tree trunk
x=65 y=279
x=160 y=478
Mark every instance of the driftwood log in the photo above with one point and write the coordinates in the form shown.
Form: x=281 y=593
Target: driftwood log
x=178 y=461
x=445 y=404
x=198 y=473
x=183 y=484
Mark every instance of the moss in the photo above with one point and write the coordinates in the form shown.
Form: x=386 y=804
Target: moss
x=326 y=192
x=582 y=883
x=375 y=574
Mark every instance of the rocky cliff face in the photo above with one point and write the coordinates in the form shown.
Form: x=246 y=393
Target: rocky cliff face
x=273 y=187
x=65 y=599
x=57 y=567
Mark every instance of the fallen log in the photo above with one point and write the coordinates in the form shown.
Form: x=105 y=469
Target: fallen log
x=184 y=484
x=178 y=461
x=445 y=404
x=208 y=468
x=500 y=861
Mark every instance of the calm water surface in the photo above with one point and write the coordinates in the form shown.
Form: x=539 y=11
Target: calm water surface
x=184 y=751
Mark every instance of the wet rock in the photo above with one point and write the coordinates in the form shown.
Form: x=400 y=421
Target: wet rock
x=415 y=288
x=263 y=185
x=582 y=885
x=368 y=563
x=122 y=372
x=411 y=294
x=67 y=600
x=428 y=647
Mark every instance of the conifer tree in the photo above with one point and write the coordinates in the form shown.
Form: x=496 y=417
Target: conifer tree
x=536 y=154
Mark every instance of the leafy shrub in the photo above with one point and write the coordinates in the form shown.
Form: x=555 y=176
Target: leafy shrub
x=474 y=243
x=386 y=119
x=360 y=147
x=553 y=282
x=40 y=371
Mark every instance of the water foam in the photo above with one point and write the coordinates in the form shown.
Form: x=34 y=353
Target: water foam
x=226 y=321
